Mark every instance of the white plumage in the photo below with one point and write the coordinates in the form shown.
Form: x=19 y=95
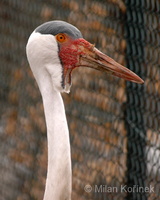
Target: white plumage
x=54 y=49
x=48 y=71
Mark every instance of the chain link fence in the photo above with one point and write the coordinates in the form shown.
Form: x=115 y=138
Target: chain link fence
x=114 y=125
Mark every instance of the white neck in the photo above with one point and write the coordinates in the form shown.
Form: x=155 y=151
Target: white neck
x=58 y=183
x=42 y=54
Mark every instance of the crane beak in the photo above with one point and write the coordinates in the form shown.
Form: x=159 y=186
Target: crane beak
x=93 y=58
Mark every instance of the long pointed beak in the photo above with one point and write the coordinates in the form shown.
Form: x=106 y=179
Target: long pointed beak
x=95 y=59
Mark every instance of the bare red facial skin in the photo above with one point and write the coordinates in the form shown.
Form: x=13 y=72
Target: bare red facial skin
x=74 y=53
x=70 y=52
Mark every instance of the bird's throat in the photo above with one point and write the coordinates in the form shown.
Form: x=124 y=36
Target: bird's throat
x=58 y=182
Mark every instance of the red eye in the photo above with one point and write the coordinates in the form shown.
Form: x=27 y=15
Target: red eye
x=61 y=37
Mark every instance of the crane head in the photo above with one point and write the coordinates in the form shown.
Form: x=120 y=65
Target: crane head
x=56 y=48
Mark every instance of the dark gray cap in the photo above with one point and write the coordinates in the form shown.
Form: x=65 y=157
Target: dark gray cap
x=55 y=27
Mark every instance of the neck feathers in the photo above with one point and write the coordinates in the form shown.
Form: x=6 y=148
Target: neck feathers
x=42 y=53
x=58 y=183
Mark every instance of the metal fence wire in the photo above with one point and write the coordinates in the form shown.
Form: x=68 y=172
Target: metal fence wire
x=114 y=124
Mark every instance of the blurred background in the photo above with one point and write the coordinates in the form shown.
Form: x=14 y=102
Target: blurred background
x=114 y=124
